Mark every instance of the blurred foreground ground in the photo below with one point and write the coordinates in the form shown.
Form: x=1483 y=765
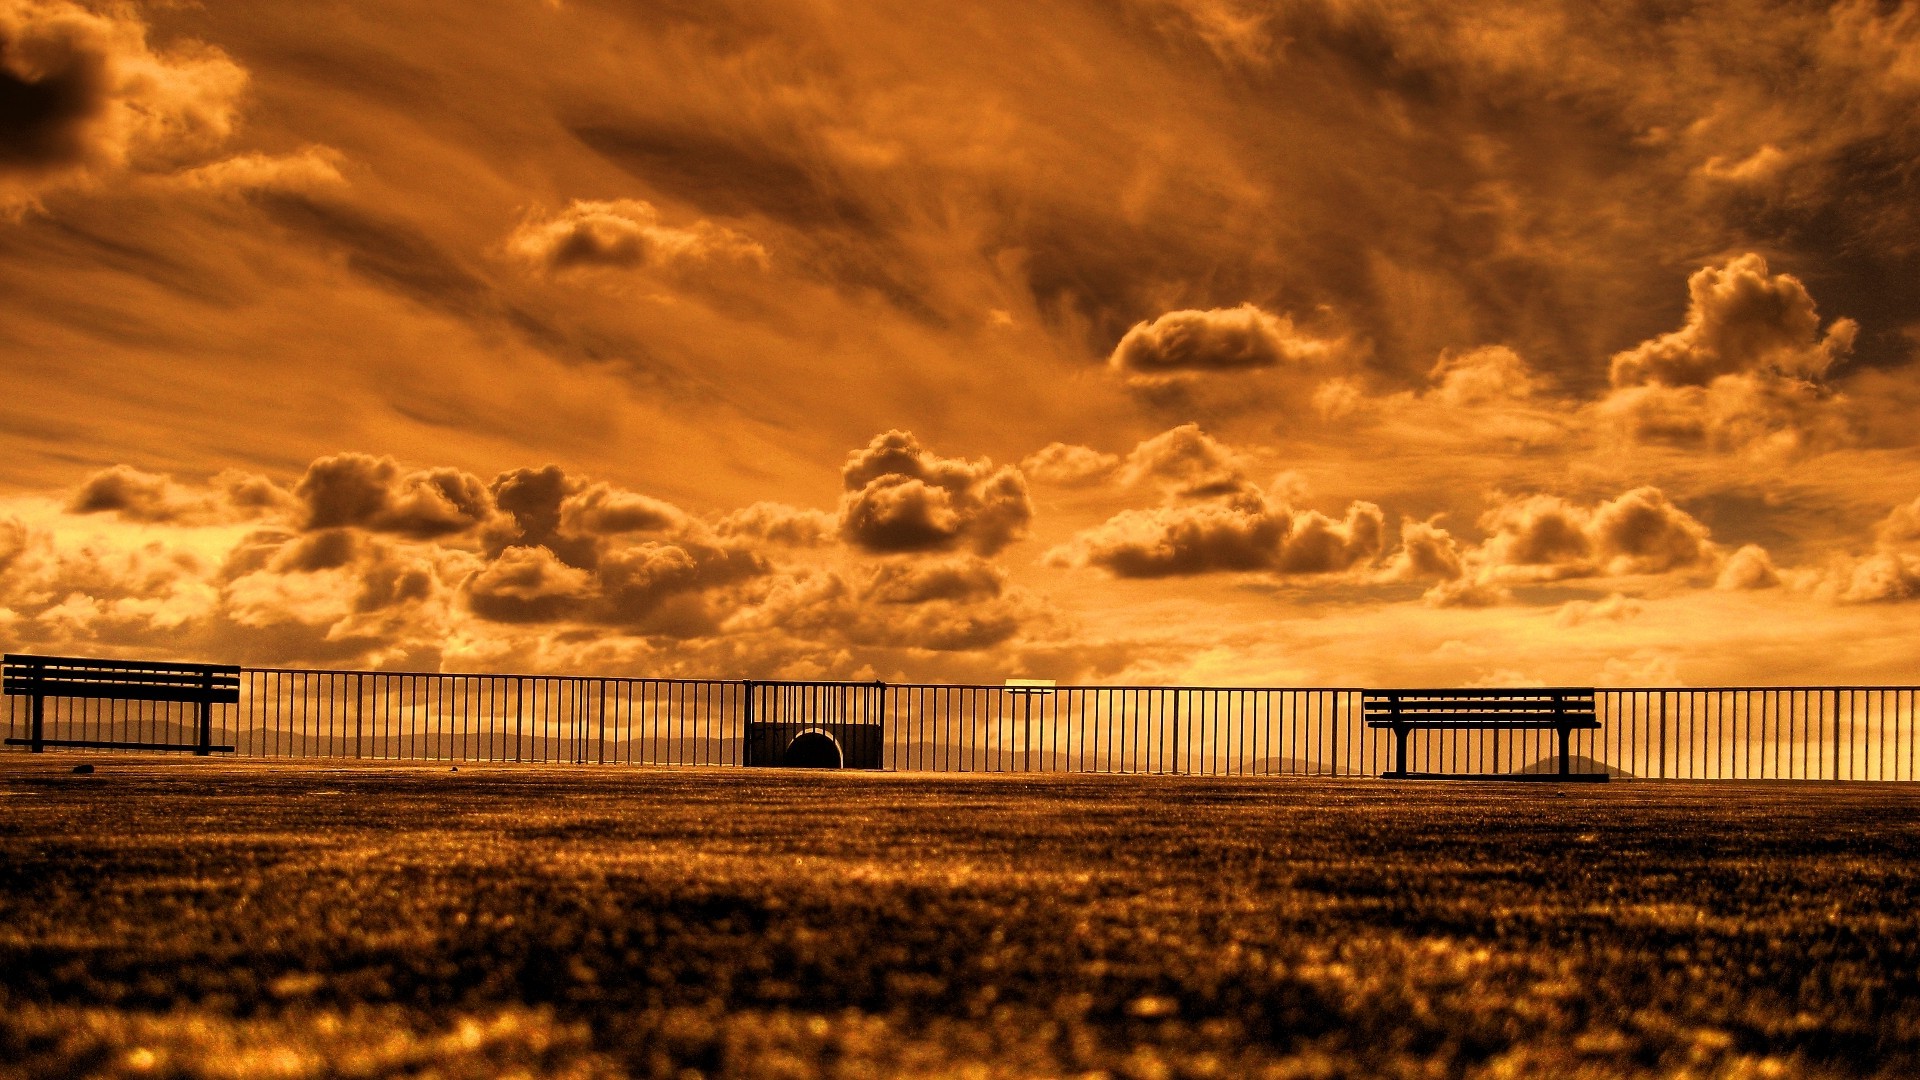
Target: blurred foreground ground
x=191 y=918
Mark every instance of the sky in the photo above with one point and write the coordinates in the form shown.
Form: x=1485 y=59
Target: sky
x=1205 y=342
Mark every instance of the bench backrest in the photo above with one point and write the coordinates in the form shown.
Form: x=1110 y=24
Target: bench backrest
x=1532 y=704
x=122 y=680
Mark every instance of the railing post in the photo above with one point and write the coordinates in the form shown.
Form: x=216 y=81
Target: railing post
x=603 y=721
x=519 y=690
x=1835 y=698
x=746 y=722
x=1176 y=732
x=359 y=716
x=1662 y=698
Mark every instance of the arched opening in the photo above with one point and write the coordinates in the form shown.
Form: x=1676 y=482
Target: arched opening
x=812 y=750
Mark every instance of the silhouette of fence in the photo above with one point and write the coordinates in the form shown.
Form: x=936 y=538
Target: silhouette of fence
x=1822 y=733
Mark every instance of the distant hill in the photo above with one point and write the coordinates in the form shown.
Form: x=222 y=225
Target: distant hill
x=1579 y=763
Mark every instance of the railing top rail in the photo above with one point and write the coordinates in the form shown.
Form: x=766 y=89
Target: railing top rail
x=1753 y=689
x=1060 y=688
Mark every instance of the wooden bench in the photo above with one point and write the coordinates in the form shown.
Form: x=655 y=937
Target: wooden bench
x=42 y=677
x=1559 y=709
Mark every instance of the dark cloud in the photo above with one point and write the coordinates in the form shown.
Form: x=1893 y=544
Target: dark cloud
x=902 y=498
x=605 y=510
x=83 y=94
x=917 y=583
x=528 y=585
x=1243 y=533
x=1219 y=340
x=372 y=493
x=142 y=496
x=1741 y=319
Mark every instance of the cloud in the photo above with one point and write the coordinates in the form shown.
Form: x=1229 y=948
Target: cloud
x=1221 y=339
x=626 y=234
x=1750 y=567
x=1891 y=572
x=604 y=510
x=1547 y=538
x=1487 y=375
x=912 y=582
x=1187 y=462
x=1746 y=371
x=939 y=606
x=87 y=96
x=313 y=170
x=778 y=523
x=1614 y=607
x=1427 y=552
x=370 y=492
x=142 y=496
x=1539 y=538
x=1242 y=534
x=1068 y=465
x=901 y=498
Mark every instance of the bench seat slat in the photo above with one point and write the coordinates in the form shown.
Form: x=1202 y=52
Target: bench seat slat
x=1487 y=708
x=127 y=691
x=169 y=678
x=1572 y=723
x=1532 y=691
x=43 y=685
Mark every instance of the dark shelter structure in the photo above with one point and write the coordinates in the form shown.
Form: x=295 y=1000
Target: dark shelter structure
x=815 y=725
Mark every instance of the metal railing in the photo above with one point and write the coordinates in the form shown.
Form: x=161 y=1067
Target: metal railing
x=1712 y=733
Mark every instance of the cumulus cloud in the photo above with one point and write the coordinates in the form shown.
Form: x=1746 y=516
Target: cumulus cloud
x=135 y=495
x=1747 y=370
x=1216 y=340
x=778 y=523
x=1614 y=607
x=902 y=498
x=602 y=509
x=1487 y=375
x=88 y=96
x=1546 y=538
x=1187 y=462
x=1069 y=465
x=626 y=234
x=914 y=582
x=1244 y=533
x=1891 y=572
x=1750 y=567
x=1427 y=552
x=373 y=493
x=934 y=606
x=1539 y=538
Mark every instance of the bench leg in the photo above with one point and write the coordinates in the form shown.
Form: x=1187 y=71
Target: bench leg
x=206 y=730
x=39 y=732
x=1566 y=760
x=1400 y=752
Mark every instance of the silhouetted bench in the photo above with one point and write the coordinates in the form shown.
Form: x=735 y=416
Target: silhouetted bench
x=1557 y=709
x=42 y=677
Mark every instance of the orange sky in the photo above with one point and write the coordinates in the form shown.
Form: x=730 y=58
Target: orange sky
x=1196 y=341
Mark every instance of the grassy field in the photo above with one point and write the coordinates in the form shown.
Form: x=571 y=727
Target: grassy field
x=185 y=918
